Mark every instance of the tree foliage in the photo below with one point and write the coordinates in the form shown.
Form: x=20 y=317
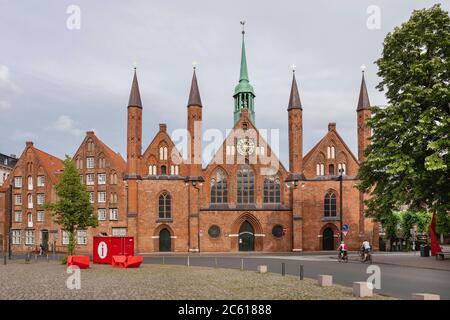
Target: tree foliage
x=407 y=163
x=73 y=210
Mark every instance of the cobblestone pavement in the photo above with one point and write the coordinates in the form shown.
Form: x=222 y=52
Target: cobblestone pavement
x=47 y=280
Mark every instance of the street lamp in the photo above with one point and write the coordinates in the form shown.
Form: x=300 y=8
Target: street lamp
x=341 y=178
x=197 y=183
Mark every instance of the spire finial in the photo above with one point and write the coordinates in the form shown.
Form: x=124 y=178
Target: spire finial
x=293 y=67
x=194 y=64
x=363 y=68
x=243 y=27
x=134 y=65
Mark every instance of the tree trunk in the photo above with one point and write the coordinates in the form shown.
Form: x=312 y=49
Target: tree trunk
x=71 y=245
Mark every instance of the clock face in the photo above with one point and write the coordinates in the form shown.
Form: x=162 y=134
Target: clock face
x=245 y=146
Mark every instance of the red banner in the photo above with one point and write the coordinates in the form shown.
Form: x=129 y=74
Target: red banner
x=435 y=247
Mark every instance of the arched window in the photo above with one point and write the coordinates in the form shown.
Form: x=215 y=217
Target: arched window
x=343 y=167
x=101 y=163
x=90 y=145
x=272 y=189
x=163 y=153
x=329 y=207
x=245 y=185
x=164 y=205
x=331 y=169
x=30 y=183
x=113 y=177
x=152 y=170
x=219 y=187
x=333 y=152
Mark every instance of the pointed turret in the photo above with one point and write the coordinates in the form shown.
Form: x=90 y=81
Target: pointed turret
x=363 y=102
x=294 y=99
x=243 y=93
x=194 y=95
x=135 y=96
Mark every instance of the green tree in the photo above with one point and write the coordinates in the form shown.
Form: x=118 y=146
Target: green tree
x=73 y=210
x=407 y=163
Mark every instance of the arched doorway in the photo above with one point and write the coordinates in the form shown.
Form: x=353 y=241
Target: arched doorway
x=164 y=241
x=44 y=239
x=328 y=239
x=246 y=237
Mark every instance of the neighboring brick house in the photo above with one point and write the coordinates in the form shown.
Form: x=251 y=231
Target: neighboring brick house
x=243 y=200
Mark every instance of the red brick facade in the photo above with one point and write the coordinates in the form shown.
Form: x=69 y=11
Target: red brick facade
x=239 y=201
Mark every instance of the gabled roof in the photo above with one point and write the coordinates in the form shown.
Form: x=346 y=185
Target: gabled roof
x=115 y=157
x=162 y=131
x=319 y=145
x=246 y=118
x=52 y=165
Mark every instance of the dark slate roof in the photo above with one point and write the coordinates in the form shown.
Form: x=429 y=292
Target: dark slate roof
x=194 y=95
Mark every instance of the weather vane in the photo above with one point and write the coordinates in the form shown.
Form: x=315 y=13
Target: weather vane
x=293 y=67
x=243 y=25
x=194 y=64
x=363 y=68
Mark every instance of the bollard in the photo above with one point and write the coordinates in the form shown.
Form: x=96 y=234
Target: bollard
x=242 y=264
x=283 y=269
x=164 y=262
x=325 y=280
x=188 y=262
x=262 y=269
x=215 y=262
x=47 y=258
x=361 y=289
x=301 y=272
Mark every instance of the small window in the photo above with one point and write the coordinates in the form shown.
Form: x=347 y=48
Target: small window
x=16 y=237
x=113 y=214
x=101 y=213
x=102 y=163
x=90 y=162
x=101 y=177
x=30 y=183
x=91 y=197
x=82 y=237
x=163 y=170
x=40 y=217
x=331 y=169
x=90 y=179
x=277 y=231
x=152 y=170
x=18 y=199
x=29 y=237
x=17 y=216
x=18 y=182
x=30 y=201
x=65 y=237
x=41 y=181
x=101 y=196
x=119 y=232
x=214 y=231
x=40 y=199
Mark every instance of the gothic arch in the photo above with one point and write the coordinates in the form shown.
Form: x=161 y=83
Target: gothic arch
x=335 y=230
x=156 y=233
x=250 y=218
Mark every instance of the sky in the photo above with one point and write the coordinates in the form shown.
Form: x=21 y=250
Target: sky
x=61 y=76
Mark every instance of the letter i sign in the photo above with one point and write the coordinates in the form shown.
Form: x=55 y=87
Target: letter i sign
x=102 y=250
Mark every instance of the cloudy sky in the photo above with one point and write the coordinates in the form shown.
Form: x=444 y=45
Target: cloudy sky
x=56 y=82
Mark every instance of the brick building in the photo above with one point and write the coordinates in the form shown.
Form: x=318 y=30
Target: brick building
x=7 y=164
x=243 y=200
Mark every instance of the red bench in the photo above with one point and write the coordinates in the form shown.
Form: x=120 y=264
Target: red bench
x=127 y=261
x=82 y=262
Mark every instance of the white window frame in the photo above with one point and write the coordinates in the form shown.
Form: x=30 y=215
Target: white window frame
x=30 y=220
x=29 y=237
x=40 y=216
x=65 y=237
x=90 y=162
x=82 y=238
x=30 y=201
x=90 y=179
x=41 y=181
x=18 y=199
x=333 y=152
x=40 y=198
x=101 y=214
x=16 y=237
x=17 y=182
x=113 y=214
x=152 y=170
x=30 y=182
x=119 y=232
x=101 y=178
x=101 y=196
x=18 y=216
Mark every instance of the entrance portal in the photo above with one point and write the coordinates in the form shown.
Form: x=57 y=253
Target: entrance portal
x=44 y=240
x=246 y=237
x=328 y=239
x=164 y=241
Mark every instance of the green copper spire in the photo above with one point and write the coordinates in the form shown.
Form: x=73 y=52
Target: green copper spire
x=243 y=93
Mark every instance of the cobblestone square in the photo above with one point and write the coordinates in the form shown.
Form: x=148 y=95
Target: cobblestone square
x=47 y=280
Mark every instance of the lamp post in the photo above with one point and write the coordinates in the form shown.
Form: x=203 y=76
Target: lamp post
x=341 y=176
x=197 y=183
